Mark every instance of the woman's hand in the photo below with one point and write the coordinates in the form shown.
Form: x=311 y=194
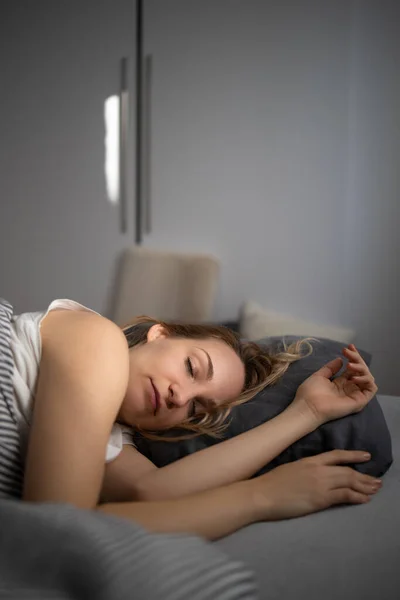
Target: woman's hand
x=313 y=484
x=347 y=394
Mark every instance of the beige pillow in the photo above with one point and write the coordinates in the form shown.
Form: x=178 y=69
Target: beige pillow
x=257 y=322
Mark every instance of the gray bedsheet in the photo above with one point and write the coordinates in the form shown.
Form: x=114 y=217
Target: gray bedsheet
x=343 y=553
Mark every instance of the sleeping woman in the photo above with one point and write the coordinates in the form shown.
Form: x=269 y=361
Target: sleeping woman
x=74 y=387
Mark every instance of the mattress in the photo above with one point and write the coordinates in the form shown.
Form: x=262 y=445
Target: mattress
x=343 y=553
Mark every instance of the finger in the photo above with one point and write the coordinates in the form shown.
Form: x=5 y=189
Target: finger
x=342 y=477
x=353 y=348
x=354 y=356
x=366 y=487
x=335 y=457
x=363 y=488
x=331 y=368
x=360 y=368
x=363 y=378
x=365 y=384
x=347 y=496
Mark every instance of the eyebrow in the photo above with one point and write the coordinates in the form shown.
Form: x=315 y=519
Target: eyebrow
x=210 y=372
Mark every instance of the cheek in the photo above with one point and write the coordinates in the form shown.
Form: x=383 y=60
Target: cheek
x=175 y=417
x=170 y=420
x=166 y=362
x=230 y=387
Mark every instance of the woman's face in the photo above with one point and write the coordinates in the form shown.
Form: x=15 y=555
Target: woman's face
x=171 y=379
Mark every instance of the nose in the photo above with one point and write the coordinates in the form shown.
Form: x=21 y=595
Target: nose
x=179 y=396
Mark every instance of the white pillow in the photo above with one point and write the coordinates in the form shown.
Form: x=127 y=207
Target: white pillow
x=257 y=322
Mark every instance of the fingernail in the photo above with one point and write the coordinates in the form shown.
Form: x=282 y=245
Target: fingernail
x=366 y=455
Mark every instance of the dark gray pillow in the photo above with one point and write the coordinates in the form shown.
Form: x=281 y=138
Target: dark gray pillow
x=366 y=430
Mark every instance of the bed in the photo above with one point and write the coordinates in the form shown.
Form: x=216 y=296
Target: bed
x=343 y=553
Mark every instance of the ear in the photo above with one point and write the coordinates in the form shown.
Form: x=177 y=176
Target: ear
x=156 y=332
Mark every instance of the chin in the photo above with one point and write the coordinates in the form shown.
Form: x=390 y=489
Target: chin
x=126 y=416
x=150 y=424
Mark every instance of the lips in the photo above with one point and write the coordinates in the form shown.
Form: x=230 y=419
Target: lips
x=155 y=397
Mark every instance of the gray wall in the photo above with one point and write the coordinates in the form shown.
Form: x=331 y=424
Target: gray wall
x=59 y=235
x=250 y=147
x=373 y=206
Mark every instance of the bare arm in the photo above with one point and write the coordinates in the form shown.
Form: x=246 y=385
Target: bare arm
x=132 y=476
x=290 y=490
x=211 y=514
x=82 y=380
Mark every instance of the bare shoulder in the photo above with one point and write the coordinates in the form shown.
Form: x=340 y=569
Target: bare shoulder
x=82 y=324
x=83 y=374
x=61 y=317
x=85 y=338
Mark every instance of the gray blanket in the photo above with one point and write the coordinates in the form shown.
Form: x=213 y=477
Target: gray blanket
x=59 y=552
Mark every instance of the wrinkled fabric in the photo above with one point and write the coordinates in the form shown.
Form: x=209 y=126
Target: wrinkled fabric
x=58 y=552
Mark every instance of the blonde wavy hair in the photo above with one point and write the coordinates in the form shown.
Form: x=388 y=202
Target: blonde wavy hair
x=262 y=368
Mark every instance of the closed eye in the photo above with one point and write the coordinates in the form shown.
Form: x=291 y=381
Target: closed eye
x=189 y=367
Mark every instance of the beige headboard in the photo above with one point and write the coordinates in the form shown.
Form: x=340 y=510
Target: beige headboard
x=165 y=285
